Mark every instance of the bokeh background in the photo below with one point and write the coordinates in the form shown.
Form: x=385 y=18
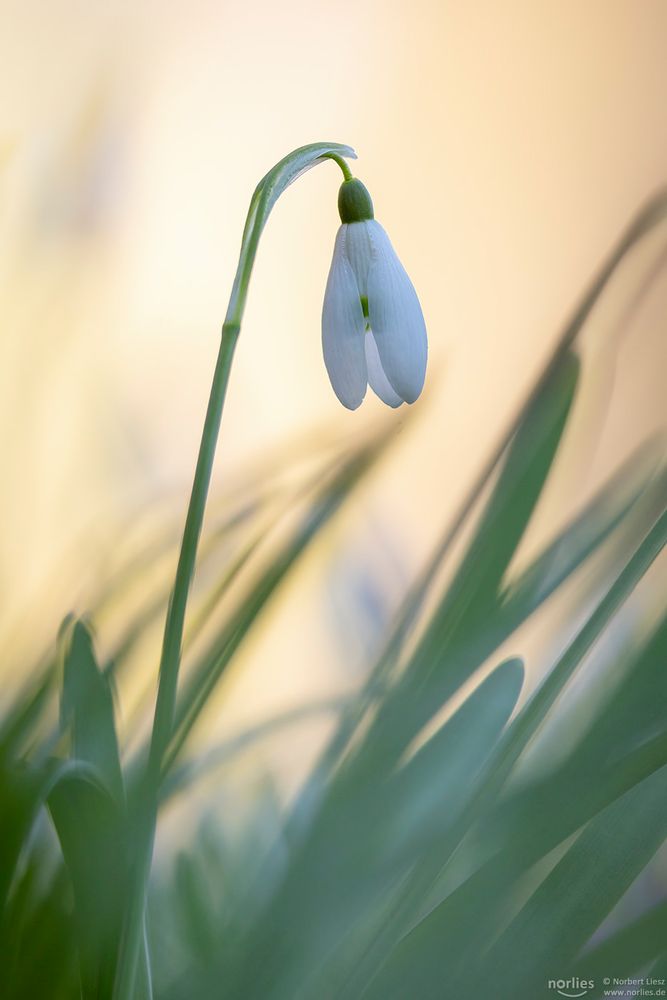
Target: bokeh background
x=505 y=144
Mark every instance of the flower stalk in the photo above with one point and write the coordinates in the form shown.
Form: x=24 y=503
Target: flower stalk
x=265 y=196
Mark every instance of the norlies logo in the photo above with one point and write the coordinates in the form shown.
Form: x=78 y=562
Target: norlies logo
x=573 y=987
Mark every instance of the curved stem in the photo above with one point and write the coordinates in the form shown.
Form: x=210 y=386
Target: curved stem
x=265 y=196
x=347 y=173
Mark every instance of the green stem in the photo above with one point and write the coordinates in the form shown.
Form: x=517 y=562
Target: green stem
x=173 y=633
x=347 y=173
x=261 y=203
x=169 y=667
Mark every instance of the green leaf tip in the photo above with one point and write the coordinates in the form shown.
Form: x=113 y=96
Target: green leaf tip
x=87 y=705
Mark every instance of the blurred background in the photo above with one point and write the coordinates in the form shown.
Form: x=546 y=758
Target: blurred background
x=505 y=146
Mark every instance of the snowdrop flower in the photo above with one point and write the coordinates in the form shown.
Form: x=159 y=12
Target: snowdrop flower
x=373 y=330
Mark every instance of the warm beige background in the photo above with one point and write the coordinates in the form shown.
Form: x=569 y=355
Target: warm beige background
x=505 y=145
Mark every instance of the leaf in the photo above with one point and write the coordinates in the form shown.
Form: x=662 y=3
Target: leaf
x=520 y=484
x=427 y=946
x=554 y=925
x=427 y=794
x=524 y=472
x=426 y=797
x=38 y=959
x=575 y=898
x=23 y=789
x=626 y=952
x=532 y=824
x=625 y=742
x=23 y=794
x=659 y=968
x=635 y=712
x=643 y=472
x=529 y=720
x=91 y=831
x=198 y=918
x=87 y=805
x=436 y=664
x=87 y=705
x=364 y=841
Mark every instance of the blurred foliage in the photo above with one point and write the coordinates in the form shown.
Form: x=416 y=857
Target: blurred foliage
x=431 y=852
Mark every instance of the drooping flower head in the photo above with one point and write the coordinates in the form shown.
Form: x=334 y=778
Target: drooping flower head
x=373 y=330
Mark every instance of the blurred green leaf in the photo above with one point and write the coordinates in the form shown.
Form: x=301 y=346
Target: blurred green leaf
x=91 y=830
x=472 y=594
x=427 y=946
x=87 y=706
x=23 y=788
x=626 y=952
x=426 y=795
x=87 y=805
x=529 y=720
x=439 y=664
x=366 y=839
x=38 y=957
x=643 y=473
x=659 y=968
x=577 y=895
x=554 y=925
x=626 y=741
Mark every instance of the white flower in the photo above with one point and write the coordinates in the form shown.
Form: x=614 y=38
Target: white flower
x=373 y=329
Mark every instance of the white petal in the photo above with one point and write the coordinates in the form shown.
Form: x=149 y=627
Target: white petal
x=358 y=252
x=396 y=318
x=343 y=325
x=377 y=379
